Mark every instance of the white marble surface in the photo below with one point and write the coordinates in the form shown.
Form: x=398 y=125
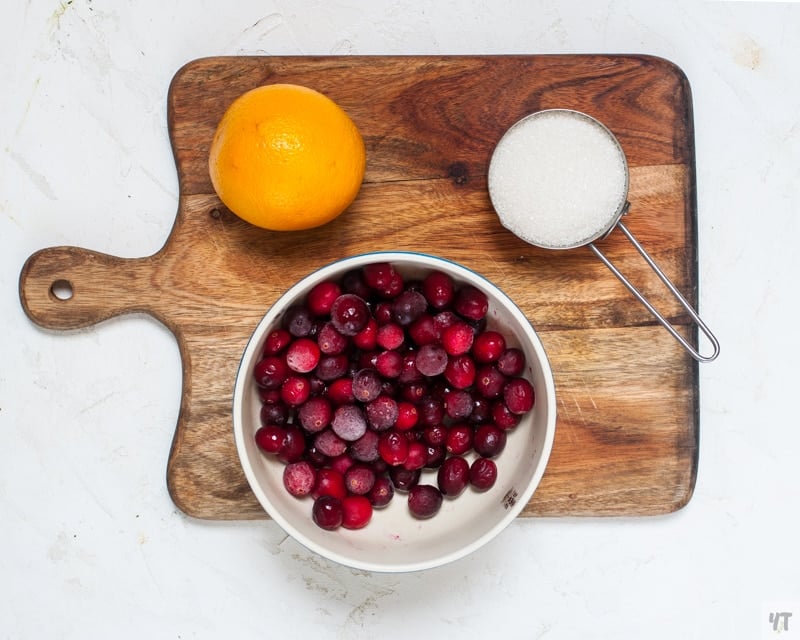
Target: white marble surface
x=91 y=545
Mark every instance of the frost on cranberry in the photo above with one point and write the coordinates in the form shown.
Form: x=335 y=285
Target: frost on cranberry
x=375 y=385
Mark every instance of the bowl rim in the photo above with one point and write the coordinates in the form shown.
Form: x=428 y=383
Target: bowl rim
x=242 y=377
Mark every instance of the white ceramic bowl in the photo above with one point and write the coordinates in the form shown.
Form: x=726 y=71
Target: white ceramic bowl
x=395 y=541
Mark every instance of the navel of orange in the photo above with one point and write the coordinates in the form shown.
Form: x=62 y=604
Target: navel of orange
x=286 y=157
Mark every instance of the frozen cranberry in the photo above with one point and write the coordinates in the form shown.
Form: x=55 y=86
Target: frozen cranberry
x=483 y=474
x=297 y=321
x=315 y=414
x=408 y=306
x=329 y=443
x=332 y=367
x=458 y=404
x=409 y=372
x=488 y=346
x=438 y=288
x=330 y=482
x=356 y=512
x=382 y=413
x=381 y=493
x=489 y=440
x=293 y=445
x=295 y=390
x=518 y=395
x=459 y=439
x=424 y=501
x=390 y=336
x=457 y=338
x=349 y=314
x=276 y=341
x=366 y=385
x=359 y=479
x=349 y=422
x=365 y=449
x=320 y=298
x=453 y=476
x=431 y=360
x=511 y=363
x=330 y=341
x=471 y=303
x=382 y=312
x=389 y=363
x=327 y=512
x=393 y=447
x=299 y=478
x=353 y=282
x=270 y=372
x=423 y=330
x=302 y=355
x=342 y=462
x=269 y=438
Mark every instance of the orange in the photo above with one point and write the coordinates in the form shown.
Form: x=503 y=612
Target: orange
x=286 y=157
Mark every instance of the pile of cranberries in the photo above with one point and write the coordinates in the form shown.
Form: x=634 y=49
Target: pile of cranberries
x=373 y=379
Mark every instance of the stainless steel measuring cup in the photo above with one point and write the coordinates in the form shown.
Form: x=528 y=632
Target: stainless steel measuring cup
x=558 y=179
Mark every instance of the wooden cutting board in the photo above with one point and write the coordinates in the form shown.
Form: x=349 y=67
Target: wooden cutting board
x=627 y=430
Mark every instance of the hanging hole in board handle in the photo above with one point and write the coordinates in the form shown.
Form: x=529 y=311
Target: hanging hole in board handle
x=559 y=179
x=62 y=290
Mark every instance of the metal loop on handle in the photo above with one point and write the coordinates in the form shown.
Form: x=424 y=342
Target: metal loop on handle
x=673 y=289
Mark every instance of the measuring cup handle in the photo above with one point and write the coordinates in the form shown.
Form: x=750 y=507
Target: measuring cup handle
x=673 y=289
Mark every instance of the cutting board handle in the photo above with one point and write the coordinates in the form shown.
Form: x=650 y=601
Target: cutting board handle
x=72 y=288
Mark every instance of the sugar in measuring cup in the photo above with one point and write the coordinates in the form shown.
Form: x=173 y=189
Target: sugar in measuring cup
x=558 y=179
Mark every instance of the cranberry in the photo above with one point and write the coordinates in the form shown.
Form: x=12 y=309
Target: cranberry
x=390 y=336
x=431 y=410
x=349 y=314
x=269 y=438
x=353 y=282
x=349 y=422
x=342 y=463
x=381 y=276
x=270 y=372
x=293 y=445
x=341 y=391
x=460 y=371
x=424 y=501
x=366 y=385
x=276 y=341
x=417 y=456
x=356 y=512
x=274 y=413
x=367 y=338
x=365 y=449
x=404 y=479
x=389 y=363
x=453 y=476
x=295 y=390
x=502 y=417
x=458 y=404
x=459 y=439
x=483 y=474
x=393 y=447
x=511 y=363
x=423 y=330
x=327 y=512
x=489 y=440
x=382 y=413
x=329 y=443
x=299 y=478
x=381 y=493
x=489 y=382
x=302 y=355
x=315 y=414
x=458 y=338
x=320 y=298
x=297 y=321
x=488 y=346
x=438 y=288
x=431 y=360
x=407 y=416
x=471 y=303
x=408 y=306
x=330 y=482
x=435 y=434
x=518 y=395
x=359 y=479
x=330 y=341
x=436 y=454
x=332 y=367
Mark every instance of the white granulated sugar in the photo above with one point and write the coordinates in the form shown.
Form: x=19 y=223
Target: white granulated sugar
x=557 y=179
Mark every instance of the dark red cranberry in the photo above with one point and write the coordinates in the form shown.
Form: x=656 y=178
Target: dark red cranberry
x=382 y=413
x=276 y=341
x=436 y=454
x=435 y=434
x=518 y=395
x=404 y=479
x=332 y=367
x=483 y=474
x=438 y=288
x=349 y=314
x=327 y=512
x=458 y=404
x=417 y=456
x=453 y=476
x=366 y=385
x=488 y=346
x=270 y=372
x=269 y=438
x=330 y=341
x=489 y=382
x=295 y=390
x=297 y=321
x=367 y=338
x=431 y=410
x=329 y=443
x=389 y=363
x=315 y=414
x=390 y=336
x=471 y=303
x=293 y=446
x=274 y=413
x=359 y=479
x=423 y=330
x=502 y=417
x=511 y=362
x=381 y=493
x=340 y=391
x=365 y=449
x=408 y=306
x=424 y=501
x=489 y=440
x=353 y=282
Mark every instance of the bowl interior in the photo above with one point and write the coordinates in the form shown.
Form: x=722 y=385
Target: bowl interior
x=394 y=540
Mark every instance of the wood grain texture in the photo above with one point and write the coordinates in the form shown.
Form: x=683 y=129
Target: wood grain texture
x=627 y=431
